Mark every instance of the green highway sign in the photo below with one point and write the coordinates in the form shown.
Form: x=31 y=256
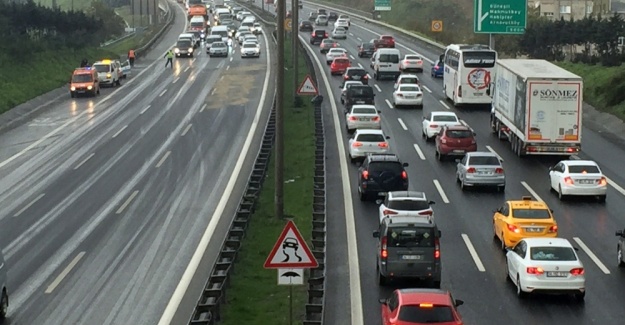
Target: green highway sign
x=382 y=5
x=499 y=16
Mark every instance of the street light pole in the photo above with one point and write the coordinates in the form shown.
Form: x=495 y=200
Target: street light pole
x=279 y=164
x=294 y=34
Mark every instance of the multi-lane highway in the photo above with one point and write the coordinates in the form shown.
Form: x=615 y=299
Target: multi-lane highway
x=473 y=264
x=106 y=199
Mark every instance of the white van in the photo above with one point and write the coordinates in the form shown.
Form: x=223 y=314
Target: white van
x=385 y=62
x=221 y=31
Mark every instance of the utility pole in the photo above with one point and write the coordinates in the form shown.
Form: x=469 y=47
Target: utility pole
x=279 y=165
x=132 y=13
x=294 y=35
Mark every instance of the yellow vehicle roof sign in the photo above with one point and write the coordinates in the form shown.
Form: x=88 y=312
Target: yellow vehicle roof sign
x=106 y=61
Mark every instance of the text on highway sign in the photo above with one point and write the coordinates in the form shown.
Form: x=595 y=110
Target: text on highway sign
x=382 y=5
x=499 y=16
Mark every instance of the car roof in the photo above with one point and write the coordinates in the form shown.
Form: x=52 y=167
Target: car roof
x=408 y=76
x=369 y=131
x=248 y=43
x=579 y=162
x=481 y=154
x=413 y=195
x=364 y=106
x=337 y=49
x=417 y=296
x=527 y=203
x=417 y=55
x=383 y=157
x=558 y=242
x=410 y=221
x=441 y=113
x=460 y=128
x=187 y=34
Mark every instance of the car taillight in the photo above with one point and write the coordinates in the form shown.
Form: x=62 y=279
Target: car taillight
x=383 y=251
x=333 y=45
x=568 y=180
x=435 y=67
x=577 y=271
x=365 y=174
x=498 y=170
x=437 y=249
x=365 y=76
x=419 y=61
x=513 y=228
x=553 y=229
x=375 y=118
x=404 y=175
x=470 y=170
x=406 y=61
x=603 y=181
x=434 y=126
x=345 y=77
x=357 y=144
x=443 y=140
x=388 y=212
x=353 y=118
x=312 y=34
x=400 y=95
x=326 y=34
x=534 y=270
x=426 y=213
x=383 y=145
x=571 y=149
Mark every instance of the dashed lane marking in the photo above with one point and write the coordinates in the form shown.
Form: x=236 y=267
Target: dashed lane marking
x=120 y=131
x=441 y=191
x=160 y=162
x=127 y=203
x=443 y=103
x=64 y=273
x=29 y=205
x=419 y=152
x=592 y=255
x=377 y=88
x=529 y=189
x=403 y=125
x=426 y=89
x=84 y=160
x=473 y=252
x=388 y=103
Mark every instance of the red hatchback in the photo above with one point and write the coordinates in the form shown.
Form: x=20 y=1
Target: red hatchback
x=455 y=141
x=420 y=306
x=339 y=65
x=387 y=41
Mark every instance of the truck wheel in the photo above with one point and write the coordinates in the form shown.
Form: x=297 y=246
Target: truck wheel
x=4 y=305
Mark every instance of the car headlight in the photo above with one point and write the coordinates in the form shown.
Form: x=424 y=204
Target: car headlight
x=108 y=75
x=89 y=87
x=176 y=51
x=190 y=49
x=73 y=88
x=202 y=35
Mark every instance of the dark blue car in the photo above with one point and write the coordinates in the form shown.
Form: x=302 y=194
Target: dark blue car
x=437 y=69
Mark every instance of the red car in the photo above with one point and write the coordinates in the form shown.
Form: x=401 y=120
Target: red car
x=420 y=306
x=455 y=141
x=339 y=66
x=386 y=41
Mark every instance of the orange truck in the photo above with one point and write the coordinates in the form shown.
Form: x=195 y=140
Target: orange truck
x=197 y=10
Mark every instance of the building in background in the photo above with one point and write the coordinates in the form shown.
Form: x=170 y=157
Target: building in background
x=567 y=9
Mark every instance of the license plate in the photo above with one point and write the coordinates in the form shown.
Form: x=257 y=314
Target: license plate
x=411 y=257
x=460 y=151
x=410 y=97
x=382 y=193
x=556 y=274
x=365 y=119
x=360 y=102
x=484 y=173
x=356 y=77
x=585 y=181
x=533 y=229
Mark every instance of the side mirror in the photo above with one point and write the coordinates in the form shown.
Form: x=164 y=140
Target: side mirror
x=387 y=137
x=376 y=234
x=439 y=234
x=619 y=233
x=551 y=210
x=378 y=201
x=576 y=249
x=346 y=111
x=551 y=168
x=379 y=112
x=457 y=160
x=405 y=164
x=382 y=301
x=431 y=202
x=458 y=302
x=508 y=249
x=373 y=95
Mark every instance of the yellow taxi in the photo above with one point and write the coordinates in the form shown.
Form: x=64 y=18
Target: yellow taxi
x=523 y=218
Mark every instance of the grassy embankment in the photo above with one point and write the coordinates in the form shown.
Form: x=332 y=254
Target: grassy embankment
x=22 y=80
x=254 y=296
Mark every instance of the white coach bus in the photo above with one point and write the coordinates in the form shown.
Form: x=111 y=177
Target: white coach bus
x=467 y=73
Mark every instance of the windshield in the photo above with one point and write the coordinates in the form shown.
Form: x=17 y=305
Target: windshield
x=484 y=160
x=363 y=110
x=408 y=205
x=409 y=80
x=552 y=254
x=413 y=57
x=356 y=72
x=444 y=118
x=584 y=170
x=531 y=214
x=459 y=134
x=476 y=59
x=81 y=78
x=392 y=58
x=431 y=315
x=218 y=44
x=249 y=45
x=221 y=33
x=361 y=91
x=211 y=40
x=410 y=237
x=370 y=138
x=183 y=44
x=341 y=61
x=102 y=67
x=409 y=88
x=197 y=24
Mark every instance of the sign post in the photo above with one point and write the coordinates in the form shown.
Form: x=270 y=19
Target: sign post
x=382 y=5
x=499 y=17
x=291 y=255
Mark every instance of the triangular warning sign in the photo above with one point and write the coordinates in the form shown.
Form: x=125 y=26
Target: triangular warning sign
x=291 y=251
x=307 y=87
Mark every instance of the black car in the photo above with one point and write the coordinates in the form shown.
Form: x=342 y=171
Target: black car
x=333 y=16
x=306 y=26
x=381 y=173
x=317 y=36
x=356 y=74
x=366 y=50
x=359 y=95
x=620 y=248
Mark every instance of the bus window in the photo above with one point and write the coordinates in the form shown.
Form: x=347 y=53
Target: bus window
x=478 y=59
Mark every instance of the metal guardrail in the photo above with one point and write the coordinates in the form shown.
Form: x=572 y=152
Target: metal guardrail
x=168 y=23
x=117 y=40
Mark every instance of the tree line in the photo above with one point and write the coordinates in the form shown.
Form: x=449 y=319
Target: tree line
x=29 y=27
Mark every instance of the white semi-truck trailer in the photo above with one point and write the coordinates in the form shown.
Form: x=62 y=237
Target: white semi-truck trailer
x=537 y=106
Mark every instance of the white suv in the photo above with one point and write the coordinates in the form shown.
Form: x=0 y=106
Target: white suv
x=407 y=204
x=109 y=72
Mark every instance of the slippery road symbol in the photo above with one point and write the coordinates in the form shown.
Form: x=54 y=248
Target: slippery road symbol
x=290 y=244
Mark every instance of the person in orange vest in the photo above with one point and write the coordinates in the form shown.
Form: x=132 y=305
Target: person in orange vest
x=131 y=57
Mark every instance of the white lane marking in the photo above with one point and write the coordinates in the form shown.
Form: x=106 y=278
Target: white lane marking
x=176 y=80
x=473 y=252
x=440 y=190
x=186 y=130
x=358 y=38
x=128 y=201
x=221 y=78
x=162 y=93
x=360 y=65
x=228 y=68
x=615 y=186
x=29 y=205
x=145 y=109
x=388 y=102
x=193 y=61
x=592 y=255
x=120 y=131
x=351 y=34
x=64 y=273
x=189 y=273
x=213 y=91
x=403 y=125
x=84 y=161
x=529 y=189
x=355 y=290
x=443 y=103
x=202 y=109
x=368 y=76
x=378 y=88
x=352 y=57
x=160 y=162
x=231 y=58
x=187 y=69
x=494 y=152
x=419 y=152
x=426 y=89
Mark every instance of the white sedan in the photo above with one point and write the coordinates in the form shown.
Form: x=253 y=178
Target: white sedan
x=578 y=177
x=346 y=86
x=548 y=265
x=334 y=53
x=362 y=117
x=411 y=62
x=408 y=95
x=341 y=22
x=433 y=122
x=339 y=33
x=250 y=50
x=366 y=141
x=406 y=79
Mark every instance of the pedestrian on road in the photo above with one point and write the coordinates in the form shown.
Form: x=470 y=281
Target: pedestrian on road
x=131 y=58
x=230 y=49
x=170 y=58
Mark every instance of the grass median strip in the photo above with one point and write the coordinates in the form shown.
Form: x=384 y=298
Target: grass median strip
x=254 y=296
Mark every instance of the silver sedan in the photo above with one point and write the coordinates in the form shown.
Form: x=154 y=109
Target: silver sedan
x=480 y=168
x=362 y=117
